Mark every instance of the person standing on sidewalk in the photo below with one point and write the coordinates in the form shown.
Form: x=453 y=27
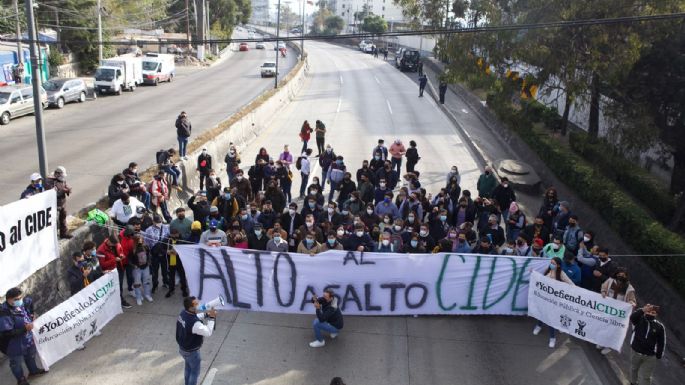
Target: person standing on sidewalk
x=305 y=170
x=419 y=68
x=443 y=90
x=305 y=135
x=190 y=333
x=648 y=342
x=397 y=151
x=204 y=165
x=320 y=136
x=58 y=182
x=423 y=80
x=183 y=129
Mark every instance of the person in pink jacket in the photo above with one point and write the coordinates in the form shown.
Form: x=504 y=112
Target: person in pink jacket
x=397 y=151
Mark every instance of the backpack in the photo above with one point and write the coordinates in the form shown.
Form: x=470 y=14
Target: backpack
x=337 y=175
x=298 y=163
x=160 y=157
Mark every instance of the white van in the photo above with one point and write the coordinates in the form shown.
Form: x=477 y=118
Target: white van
x=158 y=67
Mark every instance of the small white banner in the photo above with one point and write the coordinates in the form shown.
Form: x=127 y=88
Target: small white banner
x=578 y=312
x=73 y=322
x=28 y=237
x=366 y=283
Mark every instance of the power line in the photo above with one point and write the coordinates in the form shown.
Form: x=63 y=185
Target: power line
x=448 y=31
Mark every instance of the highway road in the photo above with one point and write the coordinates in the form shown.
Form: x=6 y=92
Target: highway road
x=97 y=139
x=360 y=99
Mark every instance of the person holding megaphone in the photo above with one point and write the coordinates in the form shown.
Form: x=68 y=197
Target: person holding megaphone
x=191 y=330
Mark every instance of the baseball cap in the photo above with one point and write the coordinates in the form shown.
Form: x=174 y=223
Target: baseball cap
x=35 y=176
x=213 y=223
x=62 y=170
x=213 y=209
x=538 y=242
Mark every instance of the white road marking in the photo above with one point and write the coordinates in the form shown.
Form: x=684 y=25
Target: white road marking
x=339 y=103
x=377 y=81
x=389 y=107
x=464 y=111
x=341 y=79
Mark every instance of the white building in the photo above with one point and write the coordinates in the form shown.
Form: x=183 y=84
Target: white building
x=384 y=8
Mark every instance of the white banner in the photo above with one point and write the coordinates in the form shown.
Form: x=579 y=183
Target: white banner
x=76 y=320
x=366 y=283
x=28 y=237
x=578 y=312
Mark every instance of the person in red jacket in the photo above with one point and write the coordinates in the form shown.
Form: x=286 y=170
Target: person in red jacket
x=305 y=135
x=128 y=245
x=111 y=256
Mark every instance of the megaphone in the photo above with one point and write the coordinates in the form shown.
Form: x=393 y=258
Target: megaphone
x=216 y=302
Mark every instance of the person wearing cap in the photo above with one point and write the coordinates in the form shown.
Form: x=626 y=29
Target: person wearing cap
x=154 y=239
x=195 y=233
x=125 y=208
x=226 y=204
x=397 y=151
x=181 y=223
x=35 y=187
x=214 y=236
x=257 y=238
x=486 y=183
x=204 y=165
x=183 y=130
x=215 y=215
x=16 y=324
x=58 y=182
x=537 y=248
x=380 y=148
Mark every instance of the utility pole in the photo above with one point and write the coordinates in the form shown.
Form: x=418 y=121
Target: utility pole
x=36 y=65
x=99 y=30
x=188 y=24
x=208 y=44
x=304 y=4
x=278 y=35
x=20 y=50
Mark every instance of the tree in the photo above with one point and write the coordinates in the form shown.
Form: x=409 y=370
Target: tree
x=334 y=24
x=374 y=24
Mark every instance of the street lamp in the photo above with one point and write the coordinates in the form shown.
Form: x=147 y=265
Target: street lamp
x=278 y=35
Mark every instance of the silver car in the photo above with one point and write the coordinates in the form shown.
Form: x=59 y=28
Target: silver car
x=17 y=100
x=62 y=91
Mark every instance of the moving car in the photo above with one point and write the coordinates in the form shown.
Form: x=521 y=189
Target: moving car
x=243 y=47
x=268 y=69
x=62 y=91
x=260 y=46
x=17 y=100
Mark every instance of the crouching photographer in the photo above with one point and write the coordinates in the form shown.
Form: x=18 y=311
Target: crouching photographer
x=328 y=319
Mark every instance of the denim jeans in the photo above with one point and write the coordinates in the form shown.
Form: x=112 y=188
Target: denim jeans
x=322 y=327
x=142 y=283
x=303 y=185
x=192 y=366
x=174 y=172
x=182 y=143
x=396 y=165
x=304 y=146
x=552 y=331
x=334 y=186
x=30 y=361
x=164 y=208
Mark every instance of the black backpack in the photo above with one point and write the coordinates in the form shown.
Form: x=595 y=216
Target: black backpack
x=298 y=163
x=161 y=157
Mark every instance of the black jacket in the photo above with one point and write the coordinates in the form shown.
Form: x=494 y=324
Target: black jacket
x=649 y=336
x=608 y=271
x=330 y=312
x=183 y=127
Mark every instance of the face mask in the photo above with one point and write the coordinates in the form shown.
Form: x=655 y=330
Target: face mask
x=212 y=175
x=386 y=242
x=454 y=170
x=369 y=211
x=410 y=219
x=505 y=185
x=239 y=177
x=586 y=239
x=331 y=210
x=243 y=217
x=423 y=233
x=328 y=150
x=360 y=233
x=277 y=238
x=258 y=232
x=507 y=251
x=353 y=199
x=227 y=196
x=135 y=171
x=18 y=302
x=382 y=184
x=311 y=205
x=398 y=228
x=552 y=266
x=443 y=218
x=212 y=229
x=647 y=316
x=340 y=233
x=291 y=211
x=93 y=253
x=39 y=185
x=253 y=211
x=414 y=243
x=331 y=241
x=309 y=241
x=345 y=212
x=555 y=247
x=386 y=220
x=310 y=223
x=487 y=173
x=462 y=240
x=452 y=235
x=376 y=157
x=386 y=200
x=120 y=182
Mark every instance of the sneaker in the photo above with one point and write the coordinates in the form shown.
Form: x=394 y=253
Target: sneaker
x=125 y=304
x=599 y=347
x=139 y=302
x=334 y=336
x=605 y=351
x=169 y=294
x=185 y=293
x=317 y=344
x=552 y=343
x=149 y=298
x=40 y=372
x=23 y=381
x=536 y=330
x=131 y=293
x=82 y=347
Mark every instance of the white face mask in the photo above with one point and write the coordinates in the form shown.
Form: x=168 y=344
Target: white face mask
x=291 y=211
x=586 y=239
x=310 y=223
x=341 y=233
x=398 y=228
x=382 y=185
x=423 y=233
x=239 y=177
x=331 y=210
x=386 y=242
x=369 y=211
x=505 y=185
x=360 y=233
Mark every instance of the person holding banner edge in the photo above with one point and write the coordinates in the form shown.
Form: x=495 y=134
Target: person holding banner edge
x=556 y=272
x=16 y=325
x=190 y=333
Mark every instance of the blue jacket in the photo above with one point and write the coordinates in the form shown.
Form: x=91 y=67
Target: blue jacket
x=573 y=272
x=12 y=325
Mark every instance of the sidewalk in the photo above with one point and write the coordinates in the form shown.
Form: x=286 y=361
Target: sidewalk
x=492 y=143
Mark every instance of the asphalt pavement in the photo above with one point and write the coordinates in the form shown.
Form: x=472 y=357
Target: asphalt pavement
x=360 y=99
x=97 y=139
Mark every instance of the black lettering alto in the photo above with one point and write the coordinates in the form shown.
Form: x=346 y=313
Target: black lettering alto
x=424 y=295
x=351 y=295
x=258 y=265
x=293 y=280
x=393 y=292
x=367 y=299
x=350 y=256
x=204 y=254
x=232 y=281
x=309 y=292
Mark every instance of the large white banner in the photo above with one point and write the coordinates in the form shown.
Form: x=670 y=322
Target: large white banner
x=28 y=237
x=76 y=320
x=578 y=312
x=366 y=283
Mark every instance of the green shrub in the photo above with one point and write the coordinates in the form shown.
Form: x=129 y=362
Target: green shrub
x=633 y=178
x=643 y=233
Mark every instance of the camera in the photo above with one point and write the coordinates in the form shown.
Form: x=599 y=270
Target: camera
x=315 y=299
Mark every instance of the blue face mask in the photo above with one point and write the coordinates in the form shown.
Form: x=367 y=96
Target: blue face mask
x=386 y=200
x=338 y=162
x=443 y=218
x=227 y=196
x=552 y=266
x=277 y=239
x=18 y=302
x=258 y=232
x=331 y=242
x=311 y=205
x=93 y=253
x=309 y=241
x=414 y=243
x=377 y=157
x=39 y=185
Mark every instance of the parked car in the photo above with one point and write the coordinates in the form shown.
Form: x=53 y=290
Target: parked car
x=268 y=69
x=17 y=100
x=409 y=60
x=260 y=46
x=369 y=48
x=62 y=91
x=243 y=47
x=363 y=44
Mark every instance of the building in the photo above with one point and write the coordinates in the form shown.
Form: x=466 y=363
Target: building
x=384 y=8
x=260 y=12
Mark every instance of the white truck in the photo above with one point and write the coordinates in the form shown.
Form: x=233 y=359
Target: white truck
x=118 y=73
x=158 y=67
